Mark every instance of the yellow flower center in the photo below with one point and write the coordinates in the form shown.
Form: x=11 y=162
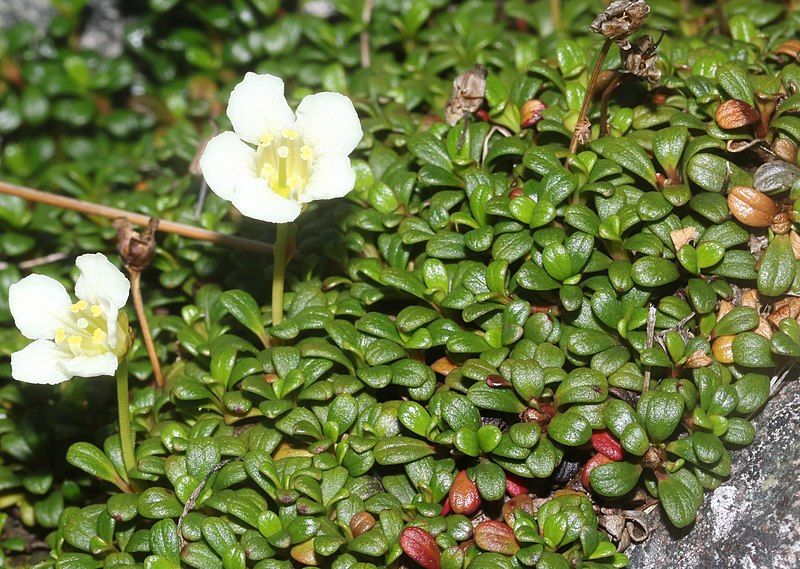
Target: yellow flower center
x=84 y=331
x=285 y=161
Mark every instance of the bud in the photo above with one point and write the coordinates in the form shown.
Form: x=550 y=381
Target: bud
x=469 y=90
x=495 y=380
x=136 y=249
x=723 y=350
x=531 y=113
x=420 y=546
x=655 y=458
x=736 y=114
x=620 y=19
x=497 y=537
x=606 y=443
x=361 y=522
x=464 y=496
x=516 y=192
x=751 y=207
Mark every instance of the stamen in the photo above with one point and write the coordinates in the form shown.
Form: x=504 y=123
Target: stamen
x=98 y=336
x=97 y=310
x=266 y=140
x=78 y=306
x=61 y=335
x=74 y=340
x=290 y=133
x=294 y=180
x=306 y=152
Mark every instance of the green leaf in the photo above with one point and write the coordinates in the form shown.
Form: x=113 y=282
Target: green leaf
x=630 y=155
x=776 y=273
x=569 y=429
x=614 y=479
x=752 y=350
x=650 y=271
x=400 y=450
x=243 y=307
x=677 y=501
x=736 y=81
x=93 y=461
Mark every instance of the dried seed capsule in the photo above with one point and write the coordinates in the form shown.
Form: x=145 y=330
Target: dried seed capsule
x=735 y=114
x=361 y=522
x=751 y=207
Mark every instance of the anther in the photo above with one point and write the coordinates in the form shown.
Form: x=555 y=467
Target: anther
x=306 y=152
x=290 y=133
x=61 y=335
x=266 y=140
x=97 y=311
x=78 y=306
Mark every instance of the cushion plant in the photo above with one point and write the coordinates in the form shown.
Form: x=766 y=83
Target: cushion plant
x=565 y=279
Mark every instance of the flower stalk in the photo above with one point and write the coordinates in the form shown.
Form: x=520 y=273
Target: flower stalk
x=123 y=412
x=147 y=336
x=282 y=253
x=582 y=124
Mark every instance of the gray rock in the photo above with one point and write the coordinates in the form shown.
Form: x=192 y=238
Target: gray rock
x=752 y=521
x=102 y=32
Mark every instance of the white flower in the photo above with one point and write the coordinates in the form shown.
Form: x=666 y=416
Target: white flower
x=293 y=160
x=86 y=338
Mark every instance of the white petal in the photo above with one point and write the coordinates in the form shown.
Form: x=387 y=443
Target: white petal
x=92 y=366
x=40 y=362
x=329 y=123
x=254 y=199
x=100 y=280
x=226 y=159
x=332 y=177
x=38 y=305
x=257 y=107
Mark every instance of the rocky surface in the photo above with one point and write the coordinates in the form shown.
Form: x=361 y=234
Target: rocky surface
x=752 y=521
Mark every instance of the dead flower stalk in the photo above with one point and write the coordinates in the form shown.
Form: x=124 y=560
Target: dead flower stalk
x=137 y=250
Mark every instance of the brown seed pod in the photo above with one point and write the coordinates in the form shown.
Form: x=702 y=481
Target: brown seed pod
x=736 y=114
x=751 y=207
x=722 y=348
x=620 y=19
x=781 y=224
x=361 y=522
x=785 y=149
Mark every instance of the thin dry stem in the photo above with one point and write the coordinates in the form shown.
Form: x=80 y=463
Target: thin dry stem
x=147 y=336
x=29 y=194
x=587 y=99
x=366 y=18
x=604 y=103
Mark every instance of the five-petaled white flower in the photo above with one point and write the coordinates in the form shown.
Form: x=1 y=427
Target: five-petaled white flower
x=296 y=159
x=86 y=338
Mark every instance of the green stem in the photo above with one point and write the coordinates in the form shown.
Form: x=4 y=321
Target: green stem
x=123 y=404
x=280 y=253
x=555 y=14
